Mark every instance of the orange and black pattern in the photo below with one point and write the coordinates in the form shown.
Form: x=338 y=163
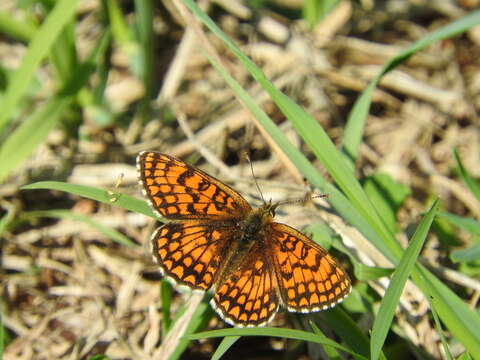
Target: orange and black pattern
x=219 y=242
x=310 y=279
x=178 y=191
x=249 y=294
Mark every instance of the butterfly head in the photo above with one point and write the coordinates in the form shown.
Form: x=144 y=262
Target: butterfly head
x=269 y=208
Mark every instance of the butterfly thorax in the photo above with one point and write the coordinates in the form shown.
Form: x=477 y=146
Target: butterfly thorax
x=251 y=229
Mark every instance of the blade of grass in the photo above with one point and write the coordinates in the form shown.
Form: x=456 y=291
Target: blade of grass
x=438 y=325
x=471 y=253
x=20 y=30
x=391 y=298
x=467 y=224
x=38 y=49
x=103 y=196
x=66 y=214
x=199 y=320
x=455 y=314
x=144 y=12
x=2 y=334
x=166 y=296
x=20 y=144
x=358 y=116
x=467 y=179
x=227 y=343
x=6 y=220
x=331 y=352
x=274 y=332
x=347 y=329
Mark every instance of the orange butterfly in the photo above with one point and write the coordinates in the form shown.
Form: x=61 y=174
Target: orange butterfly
x=217 y=240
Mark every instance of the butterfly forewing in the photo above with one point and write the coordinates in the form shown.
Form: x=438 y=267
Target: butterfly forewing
x=309 y=277
x=178 y=191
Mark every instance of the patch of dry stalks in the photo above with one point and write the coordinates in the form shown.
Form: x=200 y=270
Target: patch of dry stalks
x=69 y=292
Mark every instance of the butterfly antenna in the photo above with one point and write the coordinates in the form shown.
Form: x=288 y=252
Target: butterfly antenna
x=254 y=178
x=303 y=200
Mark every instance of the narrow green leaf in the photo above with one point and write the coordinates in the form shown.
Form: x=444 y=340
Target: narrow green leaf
x=38 y=49
x=274 y=332
x=100 y=195
x=166 y=296
x=66 y=214
x=200 y=318
x=227 y=343
x=21 y=30
x=438 y=325
x=19 y=145
x=387 y=196
x=467 y=179
x=471 y=253
x=331 y=352
x=467 y=224
x=347 y=329
x=6 y=220
x=2 y=334
x=367 y=273
x=389 y=303
x=356 y=120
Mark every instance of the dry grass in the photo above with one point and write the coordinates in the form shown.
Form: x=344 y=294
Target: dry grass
x=69 y=292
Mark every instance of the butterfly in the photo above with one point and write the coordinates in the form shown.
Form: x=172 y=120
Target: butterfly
x=217 y=241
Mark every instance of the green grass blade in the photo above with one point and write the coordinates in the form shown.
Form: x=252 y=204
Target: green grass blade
x=199 y=320
x=456 y=315
x=166 y=293
x=467 y=224
x=21 y=30
x=2 y=334
x=19 y=145
x=471 y=253
x=348 y=330
x=38 y=49
x=391 y=298
x=66 y=214
x=467 y=179
x=358 y=116
x=367 y=273
x=5 y=221
x=331 y=352
x=227 y=343
x=440 y=332
x=103 y=196
x=144 y=12
x=274 y=332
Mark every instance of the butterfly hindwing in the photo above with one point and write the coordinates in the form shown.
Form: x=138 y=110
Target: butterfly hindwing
x=191 y=253
x=310 y=279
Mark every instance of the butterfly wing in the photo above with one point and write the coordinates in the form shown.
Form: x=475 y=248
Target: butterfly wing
x=191 y=252
x=178 y=191
x=248 y=295
x=309 y=278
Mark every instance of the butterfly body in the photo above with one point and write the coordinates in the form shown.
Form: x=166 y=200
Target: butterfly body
x=217 y=241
